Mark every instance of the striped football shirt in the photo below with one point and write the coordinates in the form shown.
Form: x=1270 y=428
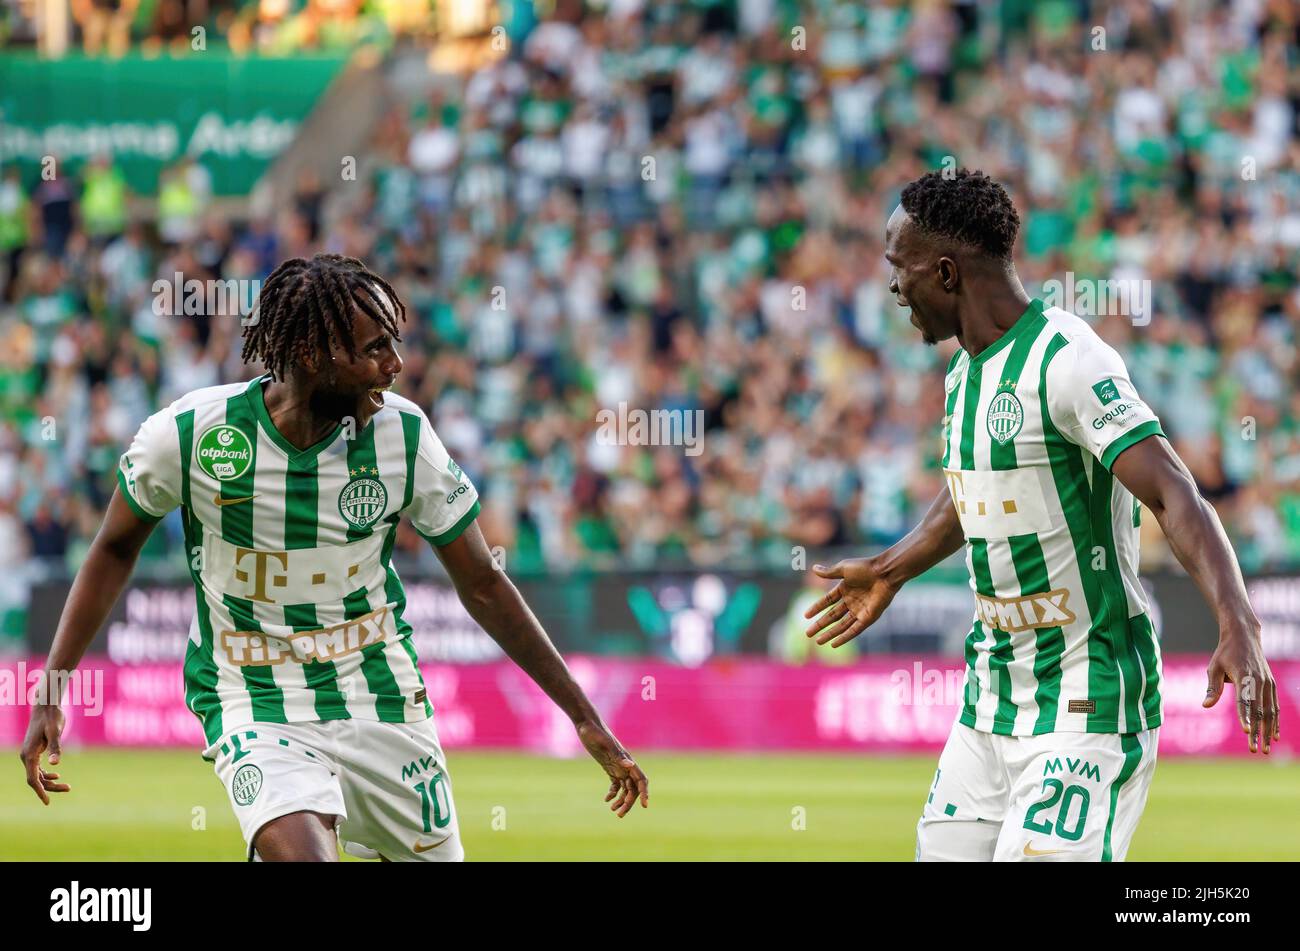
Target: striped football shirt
x=1061 y=639
x=299 y=608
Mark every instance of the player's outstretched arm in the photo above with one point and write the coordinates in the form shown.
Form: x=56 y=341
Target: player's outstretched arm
x=496 y=604
x=1152 y=471
x=108 y=565
x=867 y=585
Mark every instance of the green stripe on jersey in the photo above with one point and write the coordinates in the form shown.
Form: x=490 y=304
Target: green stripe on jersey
x=237 y=529
x=970 y=403
x=1117 y=627
x=410 y=450
x=971 y=686
x=320 y=675
x=1144 y=638
x=200 y=667
x=950 y=406
x=1132 y=757
x=389 y=703
x=393 y=585
x=301 y=504
x=301 y=526
x=1002 y=455
x=1004 y=720
x=362 y=463
x=1049 y=642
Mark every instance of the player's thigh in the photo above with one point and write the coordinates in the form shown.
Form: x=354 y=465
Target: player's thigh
x=1077 y=797
x=274 y=770
x=1128 y=799
x=297 y=837
x=964 y=810
x=398 y=794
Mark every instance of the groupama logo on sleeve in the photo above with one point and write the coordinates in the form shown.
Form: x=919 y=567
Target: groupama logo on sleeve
x=1106 y=391
x=225 y=452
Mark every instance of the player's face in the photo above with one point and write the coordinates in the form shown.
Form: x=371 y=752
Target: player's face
x=914 y=280
x=360 y=381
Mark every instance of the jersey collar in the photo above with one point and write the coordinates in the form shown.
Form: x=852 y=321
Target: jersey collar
x=257 y=400
x=1026 y=320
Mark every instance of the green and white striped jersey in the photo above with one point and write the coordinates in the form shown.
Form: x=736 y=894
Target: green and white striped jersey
x=299 y=606
x=1061 y=640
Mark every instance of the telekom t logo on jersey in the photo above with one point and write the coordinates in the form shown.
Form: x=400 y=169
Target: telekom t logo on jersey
x=266 y=575
x=957 y=489
x=999 y=503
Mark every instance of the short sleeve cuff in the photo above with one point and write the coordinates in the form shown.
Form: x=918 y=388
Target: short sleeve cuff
x=453 y=533
x=135 y=506
x=1150 y=428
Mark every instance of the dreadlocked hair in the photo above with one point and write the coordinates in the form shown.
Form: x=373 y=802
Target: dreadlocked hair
x=305 y=306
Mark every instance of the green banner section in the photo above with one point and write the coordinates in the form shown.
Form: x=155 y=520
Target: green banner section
x=234 y=115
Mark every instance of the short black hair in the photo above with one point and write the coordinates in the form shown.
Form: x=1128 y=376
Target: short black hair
x=967 y=206
x=304 y=305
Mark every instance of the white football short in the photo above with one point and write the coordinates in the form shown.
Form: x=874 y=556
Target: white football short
x=386 y=784
x=1058 y=797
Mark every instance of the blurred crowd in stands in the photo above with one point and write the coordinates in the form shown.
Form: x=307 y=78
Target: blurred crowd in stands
x=681 y=206
x=181 y=27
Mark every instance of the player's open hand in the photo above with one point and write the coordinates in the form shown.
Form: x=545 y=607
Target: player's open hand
x=858 y=599
x=626 y=781
x=1240 y=659
x=43 y=734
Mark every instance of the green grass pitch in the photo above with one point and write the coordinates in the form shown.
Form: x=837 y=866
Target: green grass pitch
x=135 y=805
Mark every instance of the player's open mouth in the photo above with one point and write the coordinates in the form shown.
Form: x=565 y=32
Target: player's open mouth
x=377 y=394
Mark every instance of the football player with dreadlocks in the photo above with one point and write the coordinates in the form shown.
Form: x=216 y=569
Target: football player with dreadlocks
x=300 y=664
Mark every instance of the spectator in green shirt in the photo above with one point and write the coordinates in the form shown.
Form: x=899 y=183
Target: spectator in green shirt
x=103 y=199
x=15 y=229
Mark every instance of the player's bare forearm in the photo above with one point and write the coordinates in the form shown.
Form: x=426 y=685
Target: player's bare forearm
x=496 y=605
x=1160 y=481
x=500 y=609
x=97 y=586
x=933 y=539
x=1157 y=477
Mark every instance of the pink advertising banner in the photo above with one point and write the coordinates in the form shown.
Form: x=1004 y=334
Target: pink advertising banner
x=887 y=704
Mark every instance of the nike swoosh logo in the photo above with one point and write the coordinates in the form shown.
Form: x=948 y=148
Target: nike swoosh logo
x=417 y=847
x=220 y=501
x=1031 y=851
